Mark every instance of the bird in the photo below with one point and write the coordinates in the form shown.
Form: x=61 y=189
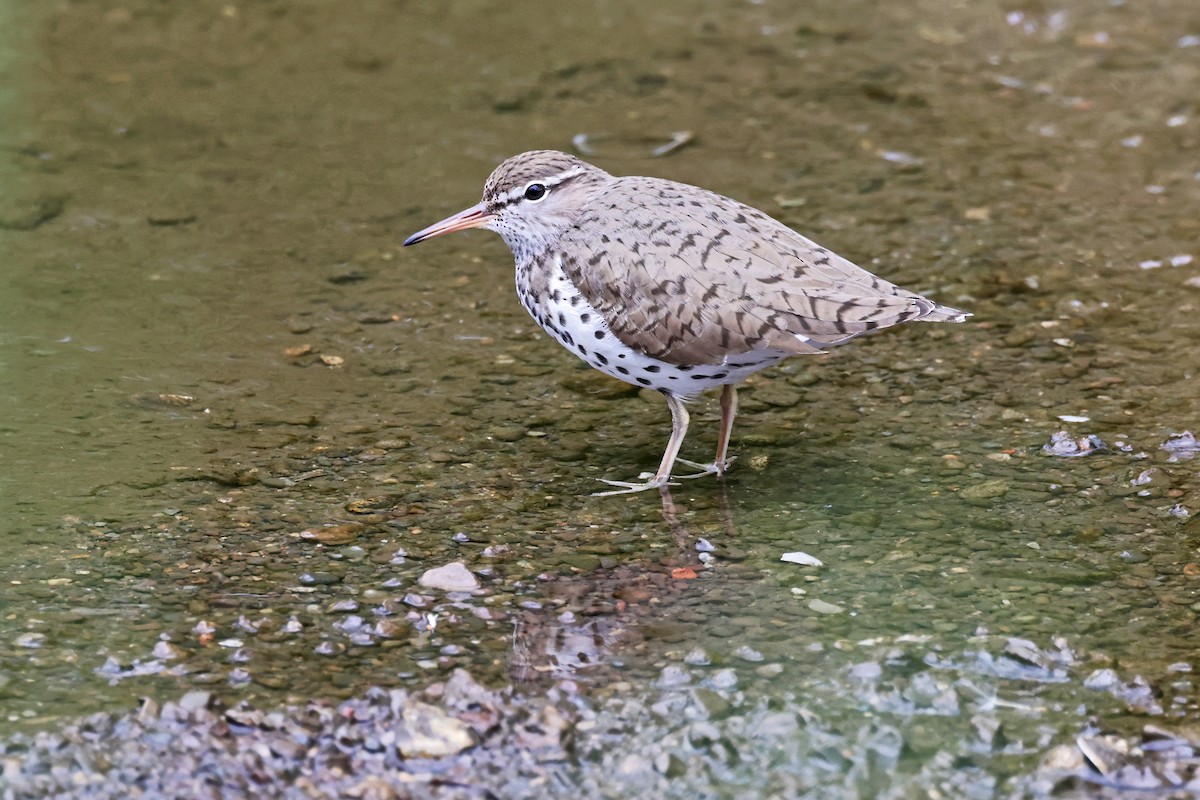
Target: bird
x=672 y=287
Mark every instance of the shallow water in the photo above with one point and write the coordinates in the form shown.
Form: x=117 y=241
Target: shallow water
x=215 y=353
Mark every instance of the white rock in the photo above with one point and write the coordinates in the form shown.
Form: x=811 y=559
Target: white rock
x=429 y=732
x=802 y=558
x=454 y=577
x=823 y=607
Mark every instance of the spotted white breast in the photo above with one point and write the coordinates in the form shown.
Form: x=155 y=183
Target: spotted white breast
x=577 y=326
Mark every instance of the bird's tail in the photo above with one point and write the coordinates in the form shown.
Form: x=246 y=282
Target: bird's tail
x=936 y=312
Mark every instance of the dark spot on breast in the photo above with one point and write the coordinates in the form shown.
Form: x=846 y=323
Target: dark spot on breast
x=574 y=300
x=622 y=370
x=562 y=319
x=583 y=349
x=599 y=334
x=653 y=368
x=601 y=358
x=643 y=381
x=584 y=318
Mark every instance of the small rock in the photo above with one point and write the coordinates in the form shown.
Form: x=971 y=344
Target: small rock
x=319 y=578
x=672 y=676
x=984 y=493
x=723 y=679
x=1101 y=679
x=30 y=640
x=670 y=765
x=633 y=764
x=713 y=704
x=748 y=653
x=1064 y=445
x=298 y=325
x=454 y=577
x=335 y=534
x=148 y=712
x=429 y=732
x=822 y=607
x=866 y=672
x=389 y=629
x=1182 y=444
x=543 y=736
x=166 y=650
x=195 y=701
x=1025 y=651
x=506 y=433
x=1062 y=759
x=585 y=562
x=802 y=558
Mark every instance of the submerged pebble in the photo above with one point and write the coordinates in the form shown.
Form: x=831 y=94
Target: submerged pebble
x=1064 y=445
x=824 y=607
x=802 y=558
x=1181 y=445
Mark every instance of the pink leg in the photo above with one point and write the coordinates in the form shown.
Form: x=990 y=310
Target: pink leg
x=721 y=463
x=729 y=403
x=679 y=426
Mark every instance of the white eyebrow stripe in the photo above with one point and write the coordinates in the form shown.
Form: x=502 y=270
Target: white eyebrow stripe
x=515 y=194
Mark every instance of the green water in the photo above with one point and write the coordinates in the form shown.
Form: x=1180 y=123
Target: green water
x=203 y=201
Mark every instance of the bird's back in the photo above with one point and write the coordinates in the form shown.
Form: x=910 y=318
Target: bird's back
x=693 y=277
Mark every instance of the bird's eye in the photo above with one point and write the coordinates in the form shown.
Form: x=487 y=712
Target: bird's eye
x=535 y=192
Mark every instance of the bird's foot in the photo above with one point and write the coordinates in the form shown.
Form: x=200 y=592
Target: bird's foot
x=630 y=487
x=715 y=468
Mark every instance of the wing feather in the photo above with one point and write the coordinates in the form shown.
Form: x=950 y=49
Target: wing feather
x=692 y=277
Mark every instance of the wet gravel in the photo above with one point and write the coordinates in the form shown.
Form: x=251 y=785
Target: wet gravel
x=905 y=721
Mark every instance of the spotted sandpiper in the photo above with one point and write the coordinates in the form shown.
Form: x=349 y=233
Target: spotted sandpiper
x=672 y=287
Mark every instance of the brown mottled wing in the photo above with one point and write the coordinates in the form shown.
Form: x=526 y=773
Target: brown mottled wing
x=692 y=277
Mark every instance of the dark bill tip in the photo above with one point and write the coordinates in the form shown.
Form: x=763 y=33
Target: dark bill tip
x=473 y=217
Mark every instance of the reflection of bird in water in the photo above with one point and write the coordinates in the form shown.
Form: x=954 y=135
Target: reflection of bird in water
x=670 y=512
x=587 y=621
x=562 y=644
